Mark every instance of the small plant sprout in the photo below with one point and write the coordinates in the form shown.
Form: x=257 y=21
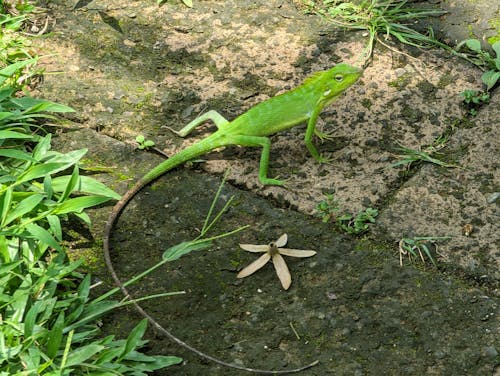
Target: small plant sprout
x=484 y=60
x=142 y=143
x=475 y=99
x=329 y=209
x=357 y=224
x=409 y=156
x=274 y=251
x=418 y=247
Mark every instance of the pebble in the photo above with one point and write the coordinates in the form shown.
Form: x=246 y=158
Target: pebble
x=399 y=72
x=490 y=352
x=493 y=197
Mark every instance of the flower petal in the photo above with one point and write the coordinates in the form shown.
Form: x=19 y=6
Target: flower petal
x=296 y=252
x=282 y=271
x=281 y=242
x=254 y=266
x=254 y=247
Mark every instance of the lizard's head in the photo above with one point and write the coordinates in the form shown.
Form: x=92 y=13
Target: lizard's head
x=336 y=80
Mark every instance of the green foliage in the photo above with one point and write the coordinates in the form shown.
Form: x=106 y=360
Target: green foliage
x=484 y=60
x=357 y=224
x=378 y=17
x=475 y=99
x=48 y=325
x=409 y=156
x=328 y=209
x=202 y=242
x=143 y=143
x=418 y=247
x=14 y=48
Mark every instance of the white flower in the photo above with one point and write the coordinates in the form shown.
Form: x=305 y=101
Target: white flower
x=274 y=252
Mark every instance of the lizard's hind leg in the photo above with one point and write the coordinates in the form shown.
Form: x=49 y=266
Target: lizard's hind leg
x=213 y=115
x=265 y=144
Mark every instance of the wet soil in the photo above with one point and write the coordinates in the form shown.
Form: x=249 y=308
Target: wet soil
x=131 y=67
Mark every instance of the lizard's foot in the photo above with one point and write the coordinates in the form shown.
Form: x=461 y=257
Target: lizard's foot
x=268 y=181
x=322 y=159
x=324 y=136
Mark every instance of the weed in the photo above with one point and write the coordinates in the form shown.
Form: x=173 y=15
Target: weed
x=475 y=99
x=143 y=143
x=410 y=156
x=328 y=209
x=379 y=17
x=359 y=223
x=417 y=247
x=48 y=323
x=484 y=60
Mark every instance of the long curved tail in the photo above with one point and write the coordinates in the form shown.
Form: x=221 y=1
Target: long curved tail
x=195 y=150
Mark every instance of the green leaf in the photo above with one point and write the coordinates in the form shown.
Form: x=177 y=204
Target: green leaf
x=30 y=318
x=76 y=205
x=43 y=235
x=80 y=355
x=5 y=205
x=73 y=180
x=20 y=300
x=490 y=78
x=496 y=47
x=15 y=135
x=55 y=226
x=10 y=70
x=70 y=158
x=162 y=361
x=23 y=207
x=179 y=250
x=47 y=186
x=134 y=337
x=188 y=3
x=33 y=105
x=473 y=44
x=4 y=252
x=85 y=184
x=92 y=312
x=16 y=154
x=39 y=170
x=43 y=147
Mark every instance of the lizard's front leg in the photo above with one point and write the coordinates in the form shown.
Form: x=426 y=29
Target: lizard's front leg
x=265 y=143
x=311 y=129
x=213 y=115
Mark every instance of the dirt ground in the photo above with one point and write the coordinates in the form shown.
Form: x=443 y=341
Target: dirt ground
x=133 y=68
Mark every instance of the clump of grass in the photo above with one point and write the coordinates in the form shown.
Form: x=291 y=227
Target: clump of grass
x=48 y=322
x=417 y=247
x=381 y=19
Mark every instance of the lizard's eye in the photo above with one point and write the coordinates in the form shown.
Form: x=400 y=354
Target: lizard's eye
x=339 y=78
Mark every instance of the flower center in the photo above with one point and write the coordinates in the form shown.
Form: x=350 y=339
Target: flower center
x=273 y=249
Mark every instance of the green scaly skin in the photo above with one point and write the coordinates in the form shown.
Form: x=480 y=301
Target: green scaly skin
x=276 y=114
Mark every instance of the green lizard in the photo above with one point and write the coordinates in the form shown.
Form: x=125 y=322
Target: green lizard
x=250 y=129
